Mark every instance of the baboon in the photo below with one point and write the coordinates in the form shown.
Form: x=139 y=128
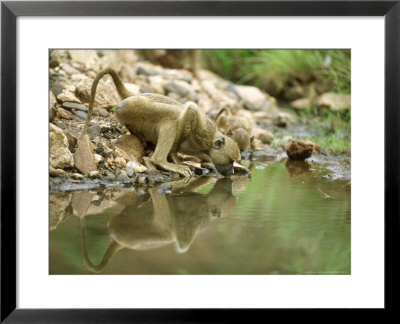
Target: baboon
x=172 y=126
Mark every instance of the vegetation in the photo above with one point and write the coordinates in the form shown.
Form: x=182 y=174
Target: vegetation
x=283 y=67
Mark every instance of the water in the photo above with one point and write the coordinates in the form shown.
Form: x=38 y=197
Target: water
x=286 y=218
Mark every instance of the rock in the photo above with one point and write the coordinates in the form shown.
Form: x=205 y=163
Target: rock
x=300 y=150
x=269 y=107
x=87 y=58
x=132 y=145
x=52 y=105
x=57 y=87
x=124 y=178
x=141 y=70
x=119 y=162
x=60 y=156
x=263 y=135
x=62 y=113
x=67 y=96
x=136 y=166
x=97 y=158
x=77 y=176
x=106 y=94
x=256 y=144
x=249 y=106
x=294 y=93
x=73 y=105
x=303 y=103
x=133 y=88
x=254 y=96
x=174 y=87
x=129 y=171
x=84 y=158
x=94 y=174
x=94 y=129
x=68 y=68
x=281 y=119
x=57 y=172
x=80 y=114
x=264 y=156
x=100 y=112
x=61 y=125
x=58 y=203
x=157 y=84
x=72 y=140
x=110 y=176
x=334 y=101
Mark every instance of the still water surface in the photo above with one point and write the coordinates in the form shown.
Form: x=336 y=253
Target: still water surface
x=286 y=218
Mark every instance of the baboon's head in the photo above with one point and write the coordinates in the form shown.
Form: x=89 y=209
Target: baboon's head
x=223 y=153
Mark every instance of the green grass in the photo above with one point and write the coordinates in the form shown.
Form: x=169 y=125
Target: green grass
x=284 y=66
x=333 y=144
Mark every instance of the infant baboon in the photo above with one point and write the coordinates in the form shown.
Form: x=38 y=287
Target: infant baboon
x=237 y=128
x=172 y=126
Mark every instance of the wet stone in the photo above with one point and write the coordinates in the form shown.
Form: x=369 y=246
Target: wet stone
x=110 y=176
x=124 y=178
x=129 y=171
x=164 y=191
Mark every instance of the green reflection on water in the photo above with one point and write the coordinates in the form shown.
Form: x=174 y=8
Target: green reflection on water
x=284 y=219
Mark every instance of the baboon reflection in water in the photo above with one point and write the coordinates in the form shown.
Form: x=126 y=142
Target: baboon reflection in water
x=157 y=219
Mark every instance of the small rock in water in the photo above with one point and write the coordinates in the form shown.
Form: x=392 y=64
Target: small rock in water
x=164 y=191
x=123 y=178
x=77 y=176
x=94 y=174
x=110 y=176
x=73 y=105
x=129 y=171
x=166 y=186
x=300 y=150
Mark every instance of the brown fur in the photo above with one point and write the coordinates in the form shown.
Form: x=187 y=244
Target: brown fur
x=172 y=126
x=237 y=128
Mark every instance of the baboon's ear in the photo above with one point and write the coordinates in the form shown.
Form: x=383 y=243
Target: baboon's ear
x=218 y=143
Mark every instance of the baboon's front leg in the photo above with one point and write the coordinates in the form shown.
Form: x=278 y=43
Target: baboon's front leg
x=166 y=138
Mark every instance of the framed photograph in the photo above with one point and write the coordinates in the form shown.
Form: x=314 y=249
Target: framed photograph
x=197 y=161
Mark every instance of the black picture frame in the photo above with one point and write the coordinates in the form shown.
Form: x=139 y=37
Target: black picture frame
x=9 y=13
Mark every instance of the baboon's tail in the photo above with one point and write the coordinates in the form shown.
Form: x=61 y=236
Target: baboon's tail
x=222 y=110
x=122 y=91
x=111 y=250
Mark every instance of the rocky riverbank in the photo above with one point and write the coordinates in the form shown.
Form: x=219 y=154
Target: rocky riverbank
x=118 y=157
